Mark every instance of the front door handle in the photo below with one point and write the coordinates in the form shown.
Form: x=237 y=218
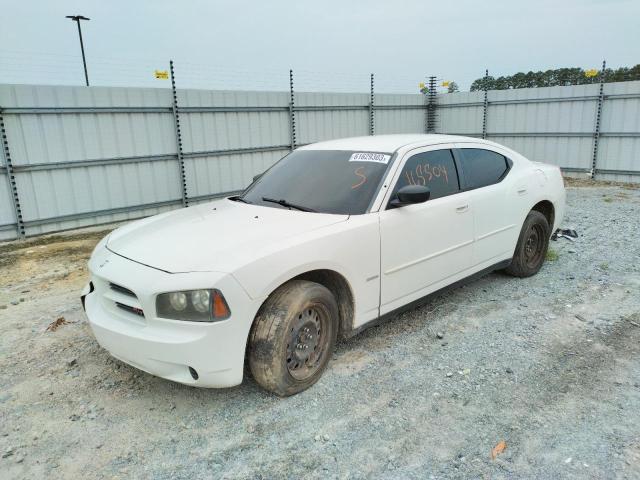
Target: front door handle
x=462 y=208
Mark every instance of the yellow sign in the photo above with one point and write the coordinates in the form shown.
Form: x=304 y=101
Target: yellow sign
x=591 y=73
x=162 y=75
x=445 y=83
x=421 y=85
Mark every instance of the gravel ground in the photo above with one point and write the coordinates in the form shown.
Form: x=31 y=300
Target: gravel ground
x=550 y=365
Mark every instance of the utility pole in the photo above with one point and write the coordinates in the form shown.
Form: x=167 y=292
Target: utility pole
x=77 y=19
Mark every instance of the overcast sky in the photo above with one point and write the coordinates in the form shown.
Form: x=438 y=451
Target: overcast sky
x=330 y=44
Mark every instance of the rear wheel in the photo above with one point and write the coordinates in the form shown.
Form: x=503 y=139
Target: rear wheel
x=532 y=246
x=293 y=337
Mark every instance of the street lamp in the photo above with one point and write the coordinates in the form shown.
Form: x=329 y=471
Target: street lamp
x=77 y=18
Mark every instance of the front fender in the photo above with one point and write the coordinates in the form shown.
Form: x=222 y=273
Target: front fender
x=352 y=249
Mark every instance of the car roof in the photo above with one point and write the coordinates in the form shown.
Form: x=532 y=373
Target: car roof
x=389 y=143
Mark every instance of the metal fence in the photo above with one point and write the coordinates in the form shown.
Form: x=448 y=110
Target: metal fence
x=589 y=129
x=78 y=156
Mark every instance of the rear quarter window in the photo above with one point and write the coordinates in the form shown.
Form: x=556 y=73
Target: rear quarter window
x=482 y=167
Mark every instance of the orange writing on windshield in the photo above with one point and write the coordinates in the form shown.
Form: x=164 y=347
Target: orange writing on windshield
x=363 y=178
x=424 y=173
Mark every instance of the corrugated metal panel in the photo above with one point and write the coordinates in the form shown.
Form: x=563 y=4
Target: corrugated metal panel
x=62 y=192
x=231 y=130
x=316 y=126
x=226 y=173
x=551 y=116
x=50 y=138
x=403 y=120
x=7 y=217
x=8 y=229
x=565 y=152
x=214 y=131
x=98 y=218
x=545 y=115
x=465 y=119
x=620 y=115
x=554 y=124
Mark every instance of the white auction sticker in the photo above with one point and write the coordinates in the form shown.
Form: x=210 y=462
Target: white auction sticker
x=370 y=157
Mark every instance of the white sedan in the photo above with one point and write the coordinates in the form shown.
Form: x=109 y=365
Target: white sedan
x=333 y=238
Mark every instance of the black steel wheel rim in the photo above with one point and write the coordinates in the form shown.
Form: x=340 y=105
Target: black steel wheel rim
x=307 y=342
x=534 y=246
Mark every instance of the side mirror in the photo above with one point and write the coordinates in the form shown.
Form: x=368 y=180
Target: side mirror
x=410 y=194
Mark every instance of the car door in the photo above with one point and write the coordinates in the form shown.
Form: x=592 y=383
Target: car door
x=485 y=173
x=423 y=246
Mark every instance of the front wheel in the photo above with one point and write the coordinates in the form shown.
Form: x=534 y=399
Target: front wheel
x=532 y=246
x=293 y=336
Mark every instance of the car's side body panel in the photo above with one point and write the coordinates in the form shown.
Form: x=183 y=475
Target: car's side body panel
x=422 y=244
x=350 y=248
x=496 y=219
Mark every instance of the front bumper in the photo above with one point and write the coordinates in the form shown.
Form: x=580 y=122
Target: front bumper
x=170 y=349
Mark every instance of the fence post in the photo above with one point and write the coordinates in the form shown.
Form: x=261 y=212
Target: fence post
x=431 y=106
x=292 y=113
x=596 y=133
x=176 y=123
x=486 y=104
x=11 y=179
x=371 y=109
x=426 y=112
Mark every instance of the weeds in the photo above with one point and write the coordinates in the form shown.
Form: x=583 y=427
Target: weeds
x=552 y=255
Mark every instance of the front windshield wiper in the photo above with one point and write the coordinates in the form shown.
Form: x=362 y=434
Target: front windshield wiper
x=240 y=198
x=284 y=203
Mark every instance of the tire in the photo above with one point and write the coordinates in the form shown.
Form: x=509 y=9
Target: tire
x=293 y=337
x=532 y=246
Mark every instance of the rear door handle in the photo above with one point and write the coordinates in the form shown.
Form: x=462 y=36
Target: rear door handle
x=462 y=208
x=522 y=191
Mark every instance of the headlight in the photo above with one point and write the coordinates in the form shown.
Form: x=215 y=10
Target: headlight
x=201 y=300
x=193 y=305
x=178 y=301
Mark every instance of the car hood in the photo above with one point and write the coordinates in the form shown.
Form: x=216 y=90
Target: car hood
x=216 y=236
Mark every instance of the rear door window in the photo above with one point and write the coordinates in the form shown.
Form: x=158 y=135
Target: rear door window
x=435 y=169
x=482 y=167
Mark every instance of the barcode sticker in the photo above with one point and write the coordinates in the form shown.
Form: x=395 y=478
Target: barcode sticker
x=370 y=157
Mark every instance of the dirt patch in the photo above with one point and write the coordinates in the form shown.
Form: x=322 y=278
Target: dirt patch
x=587 y=182
x=40 y=265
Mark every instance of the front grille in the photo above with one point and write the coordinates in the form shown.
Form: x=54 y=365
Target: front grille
x=134 y=310
x=121 y=289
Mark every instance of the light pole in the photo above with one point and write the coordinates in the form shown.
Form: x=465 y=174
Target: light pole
x=77 y=18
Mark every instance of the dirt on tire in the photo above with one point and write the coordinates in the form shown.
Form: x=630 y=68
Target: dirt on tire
x=270 y=334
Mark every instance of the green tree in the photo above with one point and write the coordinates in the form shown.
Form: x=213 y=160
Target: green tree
x=484 y=83
x=557 y=77
x=453 y=87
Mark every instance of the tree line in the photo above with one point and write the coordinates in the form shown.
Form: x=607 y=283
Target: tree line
x=557 y=77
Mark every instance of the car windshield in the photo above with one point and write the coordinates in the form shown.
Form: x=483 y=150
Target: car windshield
x=326 y=181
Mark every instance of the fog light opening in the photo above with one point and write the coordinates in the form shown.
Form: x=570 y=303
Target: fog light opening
x=193 y=373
